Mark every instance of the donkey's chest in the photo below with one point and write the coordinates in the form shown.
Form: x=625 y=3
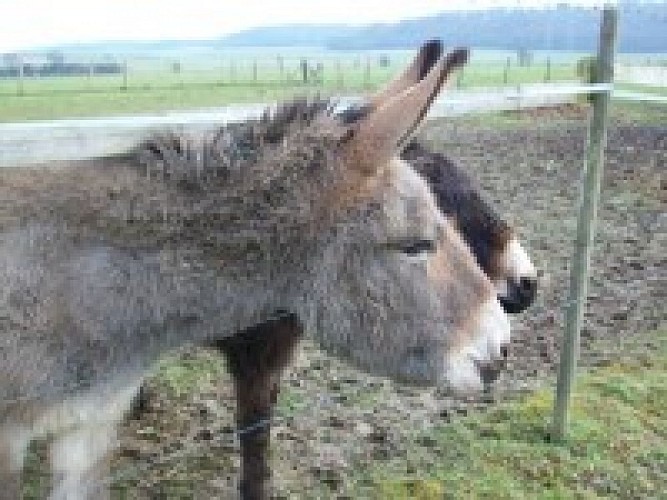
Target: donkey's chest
x=91 y=312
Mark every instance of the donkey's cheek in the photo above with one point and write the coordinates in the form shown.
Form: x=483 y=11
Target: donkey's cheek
x=419 y=368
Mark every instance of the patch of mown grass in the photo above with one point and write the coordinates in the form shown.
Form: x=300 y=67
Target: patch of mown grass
x=638 y=112
x=182 y=375
x=498 y=120
x=648 y=89
x=47 y=106
x=615 y=447
x=290 y=403
x=621 y=112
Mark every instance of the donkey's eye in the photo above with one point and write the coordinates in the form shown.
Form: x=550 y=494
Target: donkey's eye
x=415 y=247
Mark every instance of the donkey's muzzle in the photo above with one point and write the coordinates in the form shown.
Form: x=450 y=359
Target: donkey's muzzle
x=520 y=295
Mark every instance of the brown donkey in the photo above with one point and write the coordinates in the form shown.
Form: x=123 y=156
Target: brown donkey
x=492 y=240
x=108 y=263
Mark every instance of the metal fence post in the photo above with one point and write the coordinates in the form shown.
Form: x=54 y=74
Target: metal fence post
x=593 y=166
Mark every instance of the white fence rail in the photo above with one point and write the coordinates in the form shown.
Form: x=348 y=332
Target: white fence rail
x=37 y=141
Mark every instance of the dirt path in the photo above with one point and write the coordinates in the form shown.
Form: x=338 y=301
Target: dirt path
x=332 y=417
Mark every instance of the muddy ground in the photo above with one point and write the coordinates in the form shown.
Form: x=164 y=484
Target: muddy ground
x=332 y=418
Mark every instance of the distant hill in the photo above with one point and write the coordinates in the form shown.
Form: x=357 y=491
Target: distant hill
x=642 y=28
x=297 y=35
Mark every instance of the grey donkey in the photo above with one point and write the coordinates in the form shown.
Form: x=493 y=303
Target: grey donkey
x=257 y=357
x=109 y=263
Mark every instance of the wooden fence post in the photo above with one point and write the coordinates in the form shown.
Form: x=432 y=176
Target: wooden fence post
x=593 y=166
x=124 y=84
x=339 y=75
x=19 y=81
x=281 y=69
x=232 y=71
x=304 y=70
x=547 y=77
x=506 y=71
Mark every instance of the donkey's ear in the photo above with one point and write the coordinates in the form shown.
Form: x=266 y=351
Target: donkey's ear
x=426 y=58
x=374 y=139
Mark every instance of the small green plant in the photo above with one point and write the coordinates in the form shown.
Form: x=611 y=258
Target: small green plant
x=587 y=71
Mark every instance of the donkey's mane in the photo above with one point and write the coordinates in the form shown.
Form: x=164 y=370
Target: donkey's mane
x=198 y=160
x=235 y=190
x=232 y=191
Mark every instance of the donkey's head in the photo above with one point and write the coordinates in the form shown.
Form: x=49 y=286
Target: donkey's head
x=492 y=241
x=391 y=285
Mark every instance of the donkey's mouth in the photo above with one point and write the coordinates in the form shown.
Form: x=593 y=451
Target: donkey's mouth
x=489 y=371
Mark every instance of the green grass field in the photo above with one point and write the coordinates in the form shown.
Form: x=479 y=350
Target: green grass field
x=158 y=88
x=617 y=445
x=660 y=91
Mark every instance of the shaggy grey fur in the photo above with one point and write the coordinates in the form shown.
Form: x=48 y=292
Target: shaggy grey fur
x=111 y=261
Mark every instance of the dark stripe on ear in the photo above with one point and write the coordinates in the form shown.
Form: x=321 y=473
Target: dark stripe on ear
x=455 y=60
x=431 y=53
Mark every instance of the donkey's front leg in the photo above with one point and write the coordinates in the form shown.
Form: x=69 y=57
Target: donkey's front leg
x=256 y=358
x=10 y=473
x=80 y=463
x=14 y=442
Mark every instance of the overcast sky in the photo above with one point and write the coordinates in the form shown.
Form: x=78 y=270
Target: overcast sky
x=30 y=23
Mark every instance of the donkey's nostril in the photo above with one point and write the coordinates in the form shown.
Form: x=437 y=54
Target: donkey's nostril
x=520 y=294
x=528 y=286
x=489 y=371
x=504 y=352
